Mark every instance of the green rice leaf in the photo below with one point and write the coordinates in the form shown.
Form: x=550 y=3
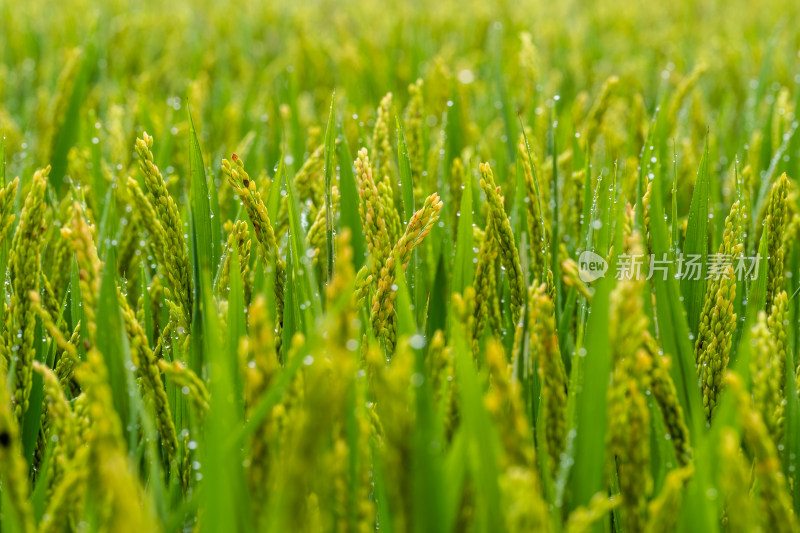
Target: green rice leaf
x=671 y=319
x=348 y=212
x=39 y=495
x=792 y=434
x=694 y=290
x=67 y=135
x=307 y=296
x=237 y=327
x=427 y=480
x=146 y=307
x=291 y=315
x=463 y=266
x=757 y=289
x=222 y=466
x=483 y=444
x=406 y=184
x=208 y=249
x=76 y=307
x=330 y=154
x=31 y=422
x=112 y=342
x=274 y=195
x=538 y=197
x=590 y=401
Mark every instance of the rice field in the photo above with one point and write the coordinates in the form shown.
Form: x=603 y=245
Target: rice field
x=437 y=267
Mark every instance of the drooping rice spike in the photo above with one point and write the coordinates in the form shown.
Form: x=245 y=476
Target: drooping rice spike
x=778 y=323
x=523 y=506
x=344 y=283
x=48 y=323
x=775 y=221
x=417 y=229
x=440 y=362
x=265 y=235
x=108 y=468
x=537 y=235
x=464 y=309
x=382 y=312
x=666 y=396
x=13 y=467
x=373 y=216
x=664 y=510
x=176 y=256
x=629 y=335
x=51 y=300
x=570 y=275
x=718 y=321
x=25 y=268
x=59 y=249
x=628 y=321
x=775 y=495
x=383 y=156
x=128 y=260
x=583 y=519
x=504 y=403
x=80 y=235
x=551 y=373
x=146 y=217
x=68 y=358
x=67 y=496
x=362 y=285
x=595 y=116
x=7 y=196
x=735 y=482
x=61 y=423
x=767 y=367
x=147 y=369
x=238 y=237
x=683 y=89
x=183 y=377
x=629 y=435
x=507 y=248
x=487 y=301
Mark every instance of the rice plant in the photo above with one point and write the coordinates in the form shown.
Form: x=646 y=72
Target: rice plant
x=431 y=267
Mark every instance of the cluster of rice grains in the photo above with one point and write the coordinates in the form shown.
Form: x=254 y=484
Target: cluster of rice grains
x=278 y=333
